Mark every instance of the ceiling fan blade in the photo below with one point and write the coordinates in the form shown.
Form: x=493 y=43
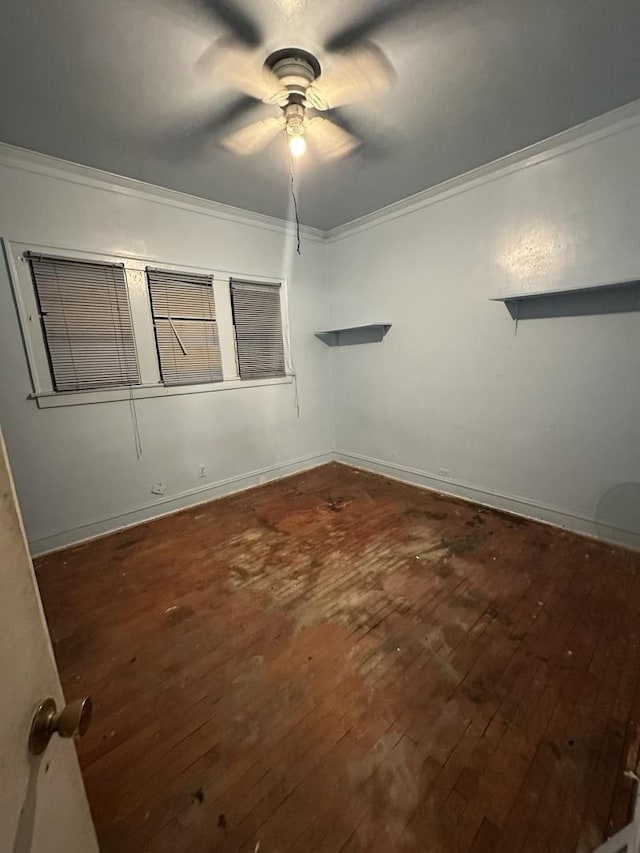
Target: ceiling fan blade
x=254 y=137
x=361 y=73
x=235 y=109
x=376 y=139
x=330 y=141
x=243 y=70
x=193 y=136
x=383 y=13
x=233 y=17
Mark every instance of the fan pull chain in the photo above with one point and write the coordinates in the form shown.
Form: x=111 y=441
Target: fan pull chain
x=295 y=200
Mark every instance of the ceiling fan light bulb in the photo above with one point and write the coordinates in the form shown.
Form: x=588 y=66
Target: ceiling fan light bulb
x=297 y=145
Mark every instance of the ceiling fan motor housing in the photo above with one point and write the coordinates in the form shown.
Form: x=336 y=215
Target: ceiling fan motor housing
x=296 y=69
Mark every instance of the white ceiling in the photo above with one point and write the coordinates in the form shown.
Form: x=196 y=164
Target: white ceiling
x=116 y=84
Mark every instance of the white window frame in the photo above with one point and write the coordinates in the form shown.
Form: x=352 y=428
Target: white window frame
x=135 y=273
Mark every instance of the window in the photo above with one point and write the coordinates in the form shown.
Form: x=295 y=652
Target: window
x=86 y=321
x=258 y=325
x=102 y=327
x=184 y=317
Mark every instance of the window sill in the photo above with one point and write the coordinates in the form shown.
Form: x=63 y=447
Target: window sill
x=52 y=399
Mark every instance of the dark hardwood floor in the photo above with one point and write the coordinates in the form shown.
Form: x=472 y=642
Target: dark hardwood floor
x=339 y=662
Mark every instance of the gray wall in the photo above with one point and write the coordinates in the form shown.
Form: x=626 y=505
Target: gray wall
x=545 y=422
x=76 y=468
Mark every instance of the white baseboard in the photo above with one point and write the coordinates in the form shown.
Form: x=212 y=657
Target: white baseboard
x=47 y=543
x=56 y=540
x=508 y=503
x=628 y=839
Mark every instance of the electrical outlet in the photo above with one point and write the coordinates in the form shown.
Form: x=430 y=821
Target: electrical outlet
x=202 y=472
x=157 y=489
x=444 y=472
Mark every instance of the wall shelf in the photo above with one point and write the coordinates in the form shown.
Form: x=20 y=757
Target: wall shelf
x=371 y=333
x=614 y=297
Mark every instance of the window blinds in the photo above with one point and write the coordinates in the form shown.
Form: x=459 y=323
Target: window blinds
x=184 y=318
x=258 y=325
x=86 y=319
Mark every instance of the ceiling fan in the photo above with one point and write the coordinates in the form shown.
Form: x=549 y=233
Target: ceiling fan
x=291 y=80
x=307 y=102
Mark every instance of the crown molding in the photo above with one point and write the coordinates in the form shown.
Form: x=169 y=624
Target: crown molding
x=587 y=133
x=26 y=160
x=601 y=127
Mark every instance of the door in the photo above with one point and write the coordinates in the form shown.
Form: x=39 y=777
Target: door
x=43 y=806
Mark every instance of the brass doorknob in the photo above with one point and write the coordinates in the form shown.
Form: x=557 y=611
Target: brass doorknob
x=73 y=720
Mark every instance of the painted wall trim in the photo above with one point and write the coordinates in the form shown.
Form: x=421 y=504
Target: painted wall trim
x=509 y=503
x=593 y=130
x=169 y=504
x=56 y=399
x=628 y=839
x=587 y=133
x=25 y=160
